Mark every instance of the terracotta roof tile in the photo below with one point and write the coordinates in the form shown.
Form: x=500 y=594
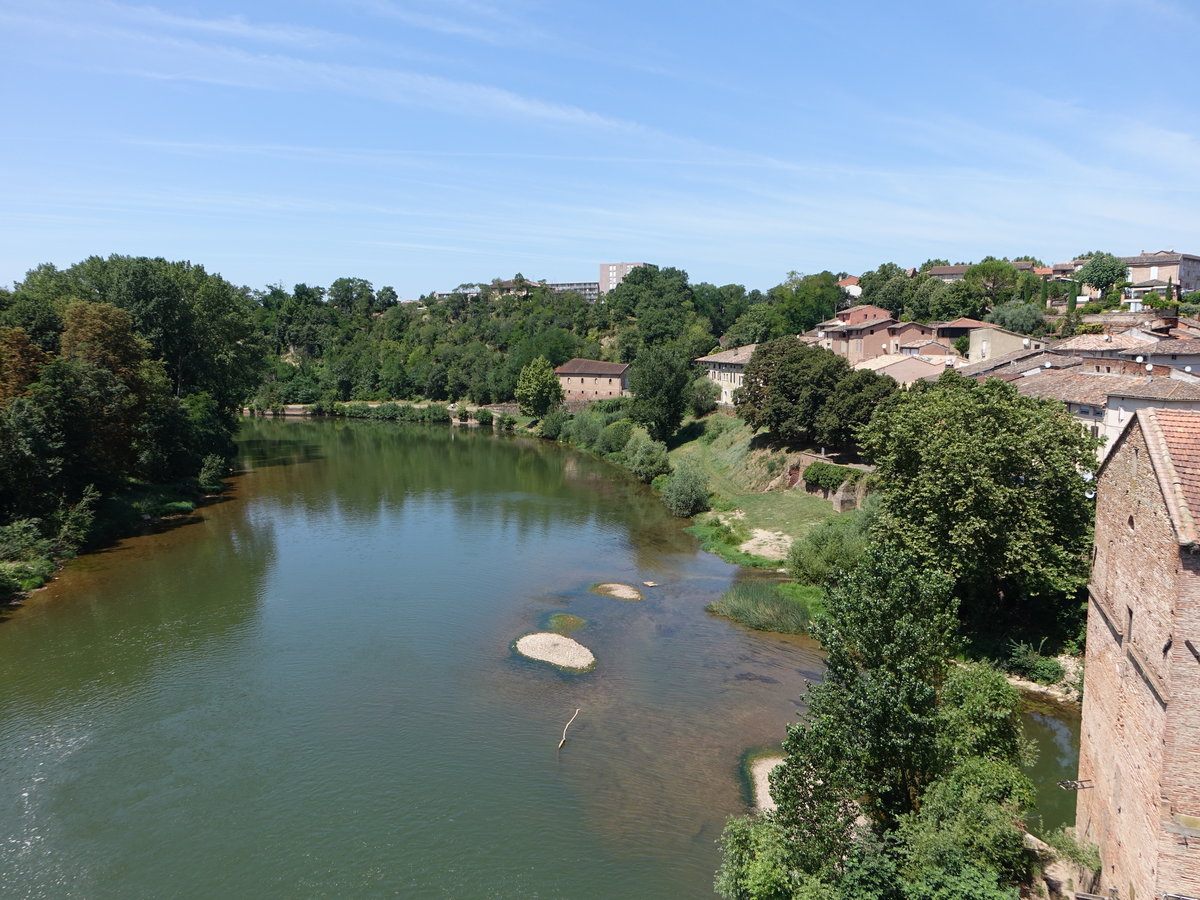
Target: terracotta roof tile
x=1173 y=437
x=1173 y=346
x=736 y=355
x=591 y=367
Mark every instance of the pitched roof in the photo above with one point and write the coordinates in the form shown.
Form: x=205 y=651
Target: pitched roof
x=849 y=281
x=1018 y=361
x=964 y=322
x=591 y=367
x=736 y=355
x=1173 y=441
x=856 y=325
x=1094 y=390
x=1176 y=346
x=1157 y=258
x=937 y=271
x=1099 y=342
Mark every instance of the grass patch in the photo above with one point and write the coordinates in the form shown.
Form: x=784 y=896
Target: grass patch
x=761 y=605
x=717 y=537
x=738 y=476
x=564 y=623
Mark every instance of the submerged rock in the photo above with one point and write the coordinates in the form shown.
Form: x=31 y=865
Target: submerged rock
x=620 y=591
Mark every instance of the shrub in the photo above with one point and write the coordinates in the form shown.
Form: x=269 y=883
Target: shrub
x=483 y=416
x=614 y=436
x=1027 y=661
x=507 y=422
x=585 y=429
x=553 y=424
x=828 y=476
x=1070 y=848
x=438 y=414
x=762 y=606
x=686 y=491
x=703 y=396
x=22 y=539
x=212 y=470
x=829 y=546
x=717 y=426
x=645 y=457
x=464 y=414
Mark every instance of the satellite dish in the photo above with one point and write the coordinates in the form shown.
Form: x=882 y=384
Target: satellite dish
x=1091 y=495
x=1140 y=359
x=1187 y=368
x=1149 y=367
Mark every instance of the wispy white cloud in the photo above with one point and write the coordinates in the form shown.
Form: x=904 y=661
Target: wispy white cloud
x=231 y=27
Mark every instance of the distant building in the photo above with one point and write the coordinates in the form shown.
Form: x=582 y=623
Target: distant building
x=612 y=274
x=727 y=370
x=1181 y=354
x=592 y=379
x=905 y=369
x=1152 y=271
x=996 y=341
x=850 y=286
x=590 y=290
x=1139 y=759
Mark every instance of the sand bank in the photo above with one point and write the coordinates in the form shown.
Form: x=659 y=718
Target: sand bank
x=557 y=650
x=759 y=770
x=620 y=591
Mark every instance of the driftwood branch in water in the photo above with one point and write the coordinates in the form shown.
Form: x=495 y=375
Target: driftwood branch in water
x=565 y=727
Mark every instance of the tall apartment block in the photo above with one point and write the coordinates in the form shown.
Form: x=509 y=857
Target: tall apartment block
x=612 y=274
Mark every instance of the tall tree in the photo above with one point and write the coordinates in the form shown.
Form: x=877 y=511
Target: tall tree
x=538 y=388
x=1102 y=271
x=982 y=483
x=659 y=381
x=786 y=385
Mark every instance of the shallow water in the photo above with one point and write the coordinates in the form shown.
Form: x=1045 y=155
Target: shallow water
x=309 y=688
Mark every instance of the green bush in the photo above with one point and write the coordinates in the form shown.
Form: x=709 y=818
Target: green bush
x=717 y=426
x=507 y=422
x=22 y=539
x=829 y=546
x=645 y=457
x=703 y=396
x=614 y=436
x=763 y=606
x=212 y=470
x=686 y=490
x=1027 y=661
x=828 y=476
x=436 y=413
x=584 y=429
x=553 y=423
x=483 y=416
x=1070 y=848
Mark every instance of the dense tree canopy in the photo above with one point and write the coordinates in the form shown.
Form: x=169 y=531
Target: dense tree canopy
x=983 y=484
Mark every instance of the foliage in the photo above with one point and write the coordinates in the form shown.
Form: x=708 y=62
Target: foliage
x=962 y=344
x=982 y=484
x=755 y=862
x=212 y=469
x=552 y=424
x=1026 y=660
x=507 y=423
x=786 y=384
x=833 y=545
x=659 y=383
x=645 y=457
x=685 y=491
x=704 y=396
x=850 y=406
x=1102 y=271
x=1023 y=318
x=614 y=436
x=1069 y=847
x=829 y=476
x=538 y=389
x=763 y=606
x=484 y=416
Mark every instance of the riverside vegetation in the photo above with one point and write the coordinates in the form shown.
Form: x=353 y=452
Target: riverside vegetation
x=120 y=377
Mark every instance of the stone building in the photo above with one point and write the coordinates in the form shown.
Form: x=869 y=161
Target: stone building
x=1139 y=763
x=727 y=370
x=592 y=379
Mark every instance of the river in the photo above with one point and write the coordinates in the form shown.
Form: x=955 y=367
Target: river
x=308 y=687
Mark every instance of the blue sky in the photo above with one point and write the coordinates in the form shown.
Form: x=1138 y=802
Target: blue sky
x=425 y=143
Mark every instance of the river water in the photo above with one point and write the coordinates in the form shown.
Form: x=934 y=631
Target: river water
x=308 y=688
